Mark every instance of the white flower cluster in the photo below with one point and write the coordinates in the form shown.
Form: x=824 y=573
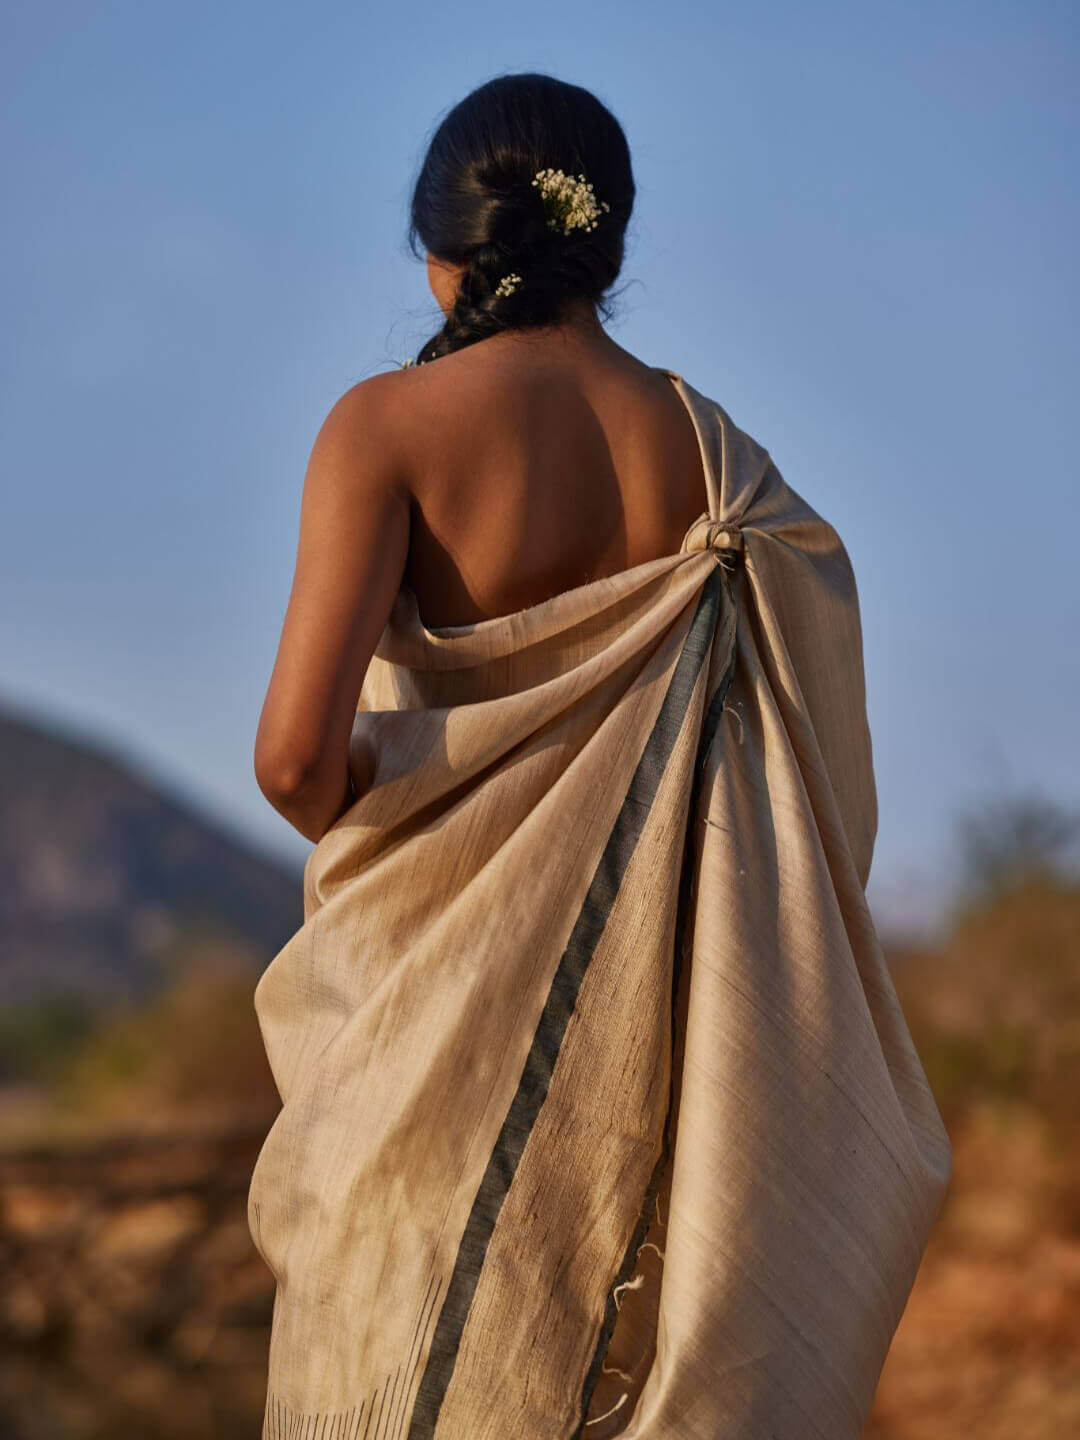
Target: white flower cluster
x=570 y=202
x=508 y=284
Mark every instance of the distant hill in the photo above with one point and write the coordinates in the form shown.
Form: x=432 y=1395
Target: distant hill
x=107 y=880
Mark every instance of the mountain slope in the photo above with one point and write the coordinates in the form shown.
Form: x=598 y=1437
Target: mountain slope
x=106 y=877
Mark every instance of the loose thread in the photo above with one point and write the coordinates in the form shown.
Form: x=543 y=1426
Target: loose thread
x=617 y=1406
x=634 y=1284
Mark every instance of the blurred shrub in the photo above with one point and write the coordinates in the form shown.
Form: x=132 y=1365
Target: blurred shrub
x=196 y=1046
x=995 y=1009
x=38 y=1037
x=1014 y=839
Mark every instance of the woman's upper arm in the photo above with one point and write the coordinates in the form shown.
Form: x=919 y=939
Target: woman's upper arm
x=350 y=560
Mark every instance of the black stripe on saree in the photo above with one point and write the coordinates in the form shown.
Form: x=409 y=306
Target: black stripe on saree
x=540 y=1063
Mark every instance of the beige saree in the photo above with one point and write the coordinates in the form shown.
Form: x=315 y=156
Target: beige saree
x=600 y=1116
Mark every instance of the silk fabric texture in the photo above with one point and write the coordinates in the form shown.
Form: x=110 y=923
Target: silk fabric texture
x=600 y=1115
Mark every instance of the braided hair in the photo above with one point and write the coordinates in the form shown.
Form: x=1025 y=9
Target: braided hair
x=475 y=204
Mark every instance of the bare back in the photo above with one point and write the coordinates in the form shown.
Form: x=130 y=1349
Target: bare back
x=536 y=467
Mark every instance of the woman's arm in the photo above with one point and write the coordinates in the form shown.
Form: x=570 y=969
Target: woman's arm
x=354 y=540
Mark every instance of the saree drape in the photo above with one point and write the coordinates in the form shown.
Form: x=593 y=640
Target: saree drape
x=600 y=1115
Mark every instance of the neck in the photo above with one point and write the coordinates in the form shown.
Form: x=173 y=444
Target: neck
x=578 y=326
x=580 y=316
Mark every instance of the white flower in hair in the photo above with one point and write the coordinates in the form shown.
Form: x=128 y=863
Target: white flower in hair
x=508 y=284
x=570 y=201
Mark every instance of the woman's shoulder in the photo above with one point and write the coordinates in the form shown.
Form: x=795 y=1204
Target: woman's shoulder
x=389 y=416
x=412 y=404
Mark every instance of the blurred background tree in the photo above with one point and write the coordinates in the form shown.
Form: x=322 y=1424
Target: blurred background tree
x=1014 y=840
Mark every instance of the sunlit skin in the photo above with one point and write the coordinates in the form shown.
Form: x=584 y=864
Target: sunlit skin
x=351 y=554
x=354 y=538
x=360 y=498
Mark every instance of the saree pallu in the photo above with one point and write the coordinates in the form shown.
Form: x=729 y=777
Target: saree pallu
x=600 y=1115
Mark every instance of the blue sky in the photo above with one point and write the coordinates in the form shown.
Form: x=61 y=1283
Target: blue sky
x=855 y=228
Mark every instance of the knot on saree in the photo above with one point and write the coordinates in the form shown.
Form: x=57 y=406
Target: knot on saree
x=718 y=535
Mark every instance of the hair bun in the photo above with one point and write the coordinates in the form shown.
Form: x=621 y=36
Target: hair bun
x=530 y=237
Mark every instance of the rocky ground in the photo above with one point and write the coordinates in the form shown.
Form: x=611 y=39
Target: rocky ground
x=136 y=1307
x=989 y=1345
x=134 y=1303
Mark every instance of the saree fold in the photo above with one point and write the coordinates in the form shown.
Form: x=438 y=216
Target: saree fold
x=600 y=1115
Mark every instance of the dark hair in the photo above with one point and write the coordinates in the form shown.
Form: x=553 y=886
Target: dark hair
x=474 y=202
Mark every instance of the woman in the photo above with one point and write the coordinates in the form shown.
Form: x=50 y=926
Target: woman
x=600 y=1116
